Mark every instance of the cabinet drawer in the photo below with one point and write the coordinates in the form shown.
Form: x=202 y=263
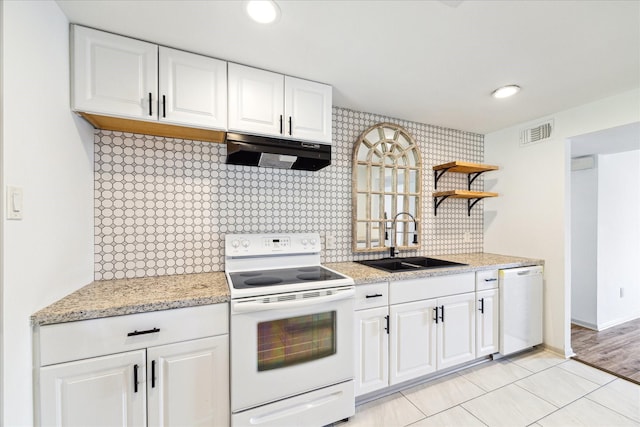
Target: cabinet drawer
x=430 y=287
x=372 y=295
x=487 y=279
x=63 y=342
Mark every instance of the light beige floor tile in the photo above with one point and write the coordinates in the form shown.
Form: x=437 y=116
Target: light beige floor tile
x=537 y=360
x=621 y=396
x=509 y=406
x=496 y=374
x=391 y=411
x=557 y=386
x=587 y=372
x=454 y=417
x=442 y=394
x=584 y=412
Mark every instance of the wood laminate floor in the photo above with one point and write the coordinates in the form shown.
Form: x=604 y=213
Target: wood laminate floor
x=615 y=350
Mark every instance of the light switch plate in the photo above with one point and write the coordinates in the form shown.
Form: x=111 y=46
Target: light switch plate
x=14 y=203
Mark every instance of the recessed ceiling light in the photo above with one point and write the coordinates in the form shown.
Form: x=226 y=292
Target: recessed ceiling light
x=262 y=11
x=505 y=91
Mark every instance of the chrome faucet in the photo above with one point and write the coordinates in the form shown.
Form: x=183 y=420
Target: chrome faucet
x=392 y=249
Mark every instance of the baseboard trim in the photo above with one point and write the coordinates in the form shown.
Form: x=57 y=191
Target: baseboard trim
x=611 y=324
x=587 y=325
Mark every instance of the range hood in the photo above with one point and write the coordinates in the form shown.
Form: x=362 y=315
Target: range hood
x=251 y=150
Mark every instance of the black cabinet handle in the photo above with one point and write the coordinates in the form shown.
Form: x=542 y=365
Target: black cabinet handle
x=435 y=311
x=290 y=126
x=153 y=374
x=280 y=123
x=164 y=106
x=148 y=331
x=387 y=327
x=490 y=280
x=150 y=101
x=373 y=296
x=135 y=378
x=442 y=313
x=481 y=301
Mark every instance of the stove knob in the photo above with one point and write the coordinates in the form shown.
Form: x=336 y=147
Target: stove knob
x=304 y=242
x=245 y=243
x=313 y=242
x=235 y=243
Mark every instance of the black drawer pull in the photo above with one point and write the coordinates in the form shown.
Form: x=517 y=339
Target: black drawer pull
x=280 y=123
x=290 y=126
x=153 y=374
x=481 y=301
x=435 y=311
x=387 y=327
x=164 y=106
x=442 y=313
x=135 y=378
x=148 y=331
x=490 y=280
x=150 y=101
x=373 y=296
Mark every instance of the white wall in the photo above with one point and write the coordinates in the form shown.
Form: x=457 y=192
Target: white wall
x=531 y=217
x=618 y=238
x=584 y=247
x=49 y=153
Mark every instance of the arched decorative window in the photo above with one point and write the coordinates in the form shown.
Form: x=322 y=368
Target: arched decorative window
x=386 y=190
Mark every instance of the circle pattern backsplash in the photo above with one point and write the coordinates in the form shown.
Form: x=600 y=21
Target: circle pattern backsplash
x=164 y=205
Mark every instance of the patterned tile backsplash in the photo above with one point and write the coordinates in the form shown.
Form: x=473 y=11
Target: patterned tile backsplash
x=163 y=205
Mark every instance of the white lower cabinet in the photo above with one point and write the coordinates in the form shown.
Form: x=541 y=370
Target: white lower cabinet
x=432 y=325
x=456 y=341
x=487 y=320
x=96 y=391
x=372 y=353
x=188 y=383
x=152 y=378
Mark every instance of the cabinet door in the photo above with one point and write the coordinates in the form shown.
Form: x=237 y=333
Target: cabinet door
x=188 y=383
x=113 y=75
x=412 y=346
x=97 y=391
x=372 y=351
x=193 y=89
x=487 y=318
x=256 y=101
x=456 y=330
x=307 y=110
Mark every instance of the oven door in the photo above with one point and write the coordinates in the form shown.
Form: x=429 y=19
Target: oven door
x=288 y=344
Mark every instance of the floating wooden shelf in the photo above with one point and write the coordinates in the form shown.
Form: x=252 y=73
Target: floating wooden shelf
x=472 y=169
x=464 y=194
x=472 y=197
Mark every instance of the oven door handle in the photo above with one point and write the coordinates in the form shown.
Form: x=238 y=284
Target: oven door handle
x=262 y=305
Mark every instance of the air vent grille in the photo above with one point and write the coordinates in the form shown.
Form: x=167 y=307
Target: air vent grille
x=537 y=133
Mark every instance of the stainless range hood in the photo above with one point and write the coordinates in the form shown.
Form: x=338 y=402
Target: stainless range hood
x=251 y=150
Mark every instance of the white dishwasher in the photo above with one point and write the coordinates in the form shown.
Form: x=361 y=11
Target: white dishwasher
x=520 y=308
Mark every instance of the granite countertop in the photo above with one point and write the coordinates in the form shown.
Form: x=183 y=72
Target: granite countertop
x=106 y=298
x=362 y=274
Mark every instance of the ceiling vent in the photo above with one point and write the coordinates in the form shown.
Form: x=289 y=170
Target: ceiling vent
x=540 y=132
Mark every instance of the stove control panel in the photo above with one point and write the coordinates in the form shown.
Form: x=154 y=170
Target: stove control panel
x=266 y=244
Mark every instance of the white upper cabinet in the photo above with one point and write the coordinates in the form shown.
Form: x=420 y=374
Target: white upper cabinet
x=266 y=103
x=256 y=100
x=113 y=75
x=193 y=89
x=126 y=78
x=308 y=109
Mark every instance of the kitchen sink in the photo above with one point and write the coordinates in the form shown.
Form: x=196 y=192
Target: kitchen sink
x=393 y=265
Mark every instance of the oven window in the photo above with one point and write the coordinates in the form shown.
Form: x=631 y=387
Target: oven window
x=287 y=342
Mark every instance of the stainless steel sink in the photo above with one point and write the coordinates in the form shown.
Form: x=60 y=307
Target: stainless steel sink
x=393 y=265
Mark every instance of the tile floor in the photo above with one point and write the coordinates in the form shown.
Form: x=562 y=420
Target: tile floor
x=533 y=389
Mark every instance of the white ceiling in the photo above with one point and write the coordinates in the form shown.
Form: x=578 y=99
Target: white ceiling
x=432 y=62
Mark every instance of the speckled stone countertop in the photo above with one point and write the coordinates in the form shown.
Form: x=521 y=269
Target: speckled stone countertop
x=362 y=274
x=106 y=298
